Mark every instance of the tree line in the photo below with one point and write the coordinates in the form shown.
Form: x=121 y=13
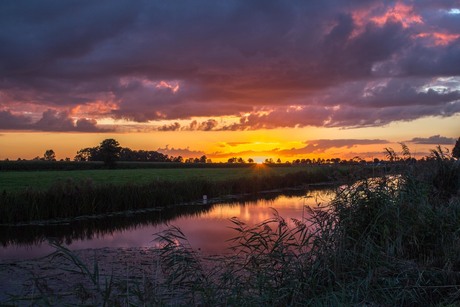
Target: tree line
x=109 y=151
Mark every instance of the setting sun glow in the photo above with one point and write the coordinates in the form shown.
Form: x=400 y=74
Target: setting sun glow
x=291 y=81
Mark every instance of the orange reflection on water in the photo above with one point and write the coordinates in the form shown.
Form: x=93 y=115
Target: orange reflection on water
x=208 y=232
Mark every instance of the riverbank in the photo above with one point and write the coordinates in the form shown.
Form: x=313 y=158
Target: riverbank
x=380 y=242
x=69 y=199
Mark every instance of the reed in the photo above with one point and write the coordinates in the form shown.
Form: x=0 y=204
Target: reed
x=389 y=240
x=70 y=198
x=17 y=181
x=382 y=241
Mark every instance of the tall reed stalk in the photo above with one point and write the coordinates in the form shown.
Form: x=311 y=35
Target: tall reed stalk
x=385 y=241
x=71 y=198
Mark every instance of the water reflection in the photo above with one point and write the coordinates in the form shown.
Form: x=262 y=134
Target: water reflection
x=206 y=226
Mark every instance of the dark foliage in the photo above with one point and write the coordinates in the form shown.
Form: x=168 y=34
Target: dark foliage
x=76 y=198
x=456 y=149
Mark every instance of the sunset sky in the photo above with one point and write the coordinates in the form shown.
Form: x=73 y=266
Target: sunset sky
x=260 y=79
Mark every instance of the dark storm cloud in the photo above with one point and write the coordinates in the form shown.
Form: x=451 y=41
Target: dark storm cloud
x=434 y=140
x=50 y=121
x=432 y=61
x=390 y=93
x=54 y=121
x=9 y=121
x=39 y=35
x=155 y=60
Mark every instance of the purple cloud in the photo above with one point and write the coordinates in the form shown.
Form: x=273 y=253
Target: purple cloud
x=9 y=121
x=194 y=125
x=183 y=152
x=433 y=140
x=51 y=120
x=320 y=146
x=274 y=64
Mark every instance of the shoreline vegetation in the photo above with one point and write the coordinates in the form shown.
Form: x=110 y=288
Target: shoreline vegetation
x=87 y=227
x=120 y=190
x=383 y=241
x=145 y=172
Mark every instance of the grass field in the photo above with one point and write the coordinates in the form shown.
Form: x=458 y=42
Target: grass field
x=14 y=181
x=42 y=195
x=380 y=242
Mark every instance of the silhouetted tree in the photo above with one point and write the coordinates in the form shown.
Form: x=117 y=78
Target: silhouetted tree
x=250 y=160
x=126 y=154
x=456 y=149
x=87 y=154
x=203 y=159
x=178 y=159
x=110 y=151
x=49 y=155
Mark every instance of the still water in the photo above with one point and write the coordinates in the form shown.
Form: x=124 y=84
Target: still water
x=207 y=227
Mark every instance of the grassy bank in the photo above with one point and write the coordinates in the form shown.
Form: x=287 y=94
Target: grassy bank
x=119 y=190
x=102 y=225
x=387 y=241
x=15 y=181
x=39 y=165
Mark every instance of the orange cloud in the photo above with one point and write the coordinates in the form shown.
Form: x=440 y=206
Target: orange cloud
x=402 y=13
x=439 y=39
x=174 y=87
x=97 y=108
x=380 y=15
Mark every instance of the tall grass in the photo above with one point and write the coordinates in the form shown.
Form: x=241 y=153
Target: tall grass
x=33 y=165
x=391 y=241
x=385 y=241
x=66 y=231
x=69 y=198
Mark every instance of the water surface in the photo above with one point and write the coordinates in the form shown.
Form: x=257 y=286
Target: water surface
x=207 y=227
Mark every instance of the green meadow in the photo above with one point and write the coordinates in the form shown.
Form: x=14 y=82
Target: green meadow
x=383 y=240
x=15 y=181
x=28 y=196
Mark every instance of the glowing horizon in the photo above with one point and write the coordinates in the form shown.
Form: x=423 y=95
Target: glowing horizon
x=257 y=145
x=281 y=80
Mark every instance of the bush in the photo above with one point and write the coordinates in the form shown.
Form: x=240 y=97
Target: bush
x=382 y=241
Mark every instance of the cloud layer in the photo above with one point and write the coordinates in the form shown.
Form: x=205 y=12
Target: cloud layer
x=318 y=147
x=271 y=64
x=433 y=140
x=51 y=120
